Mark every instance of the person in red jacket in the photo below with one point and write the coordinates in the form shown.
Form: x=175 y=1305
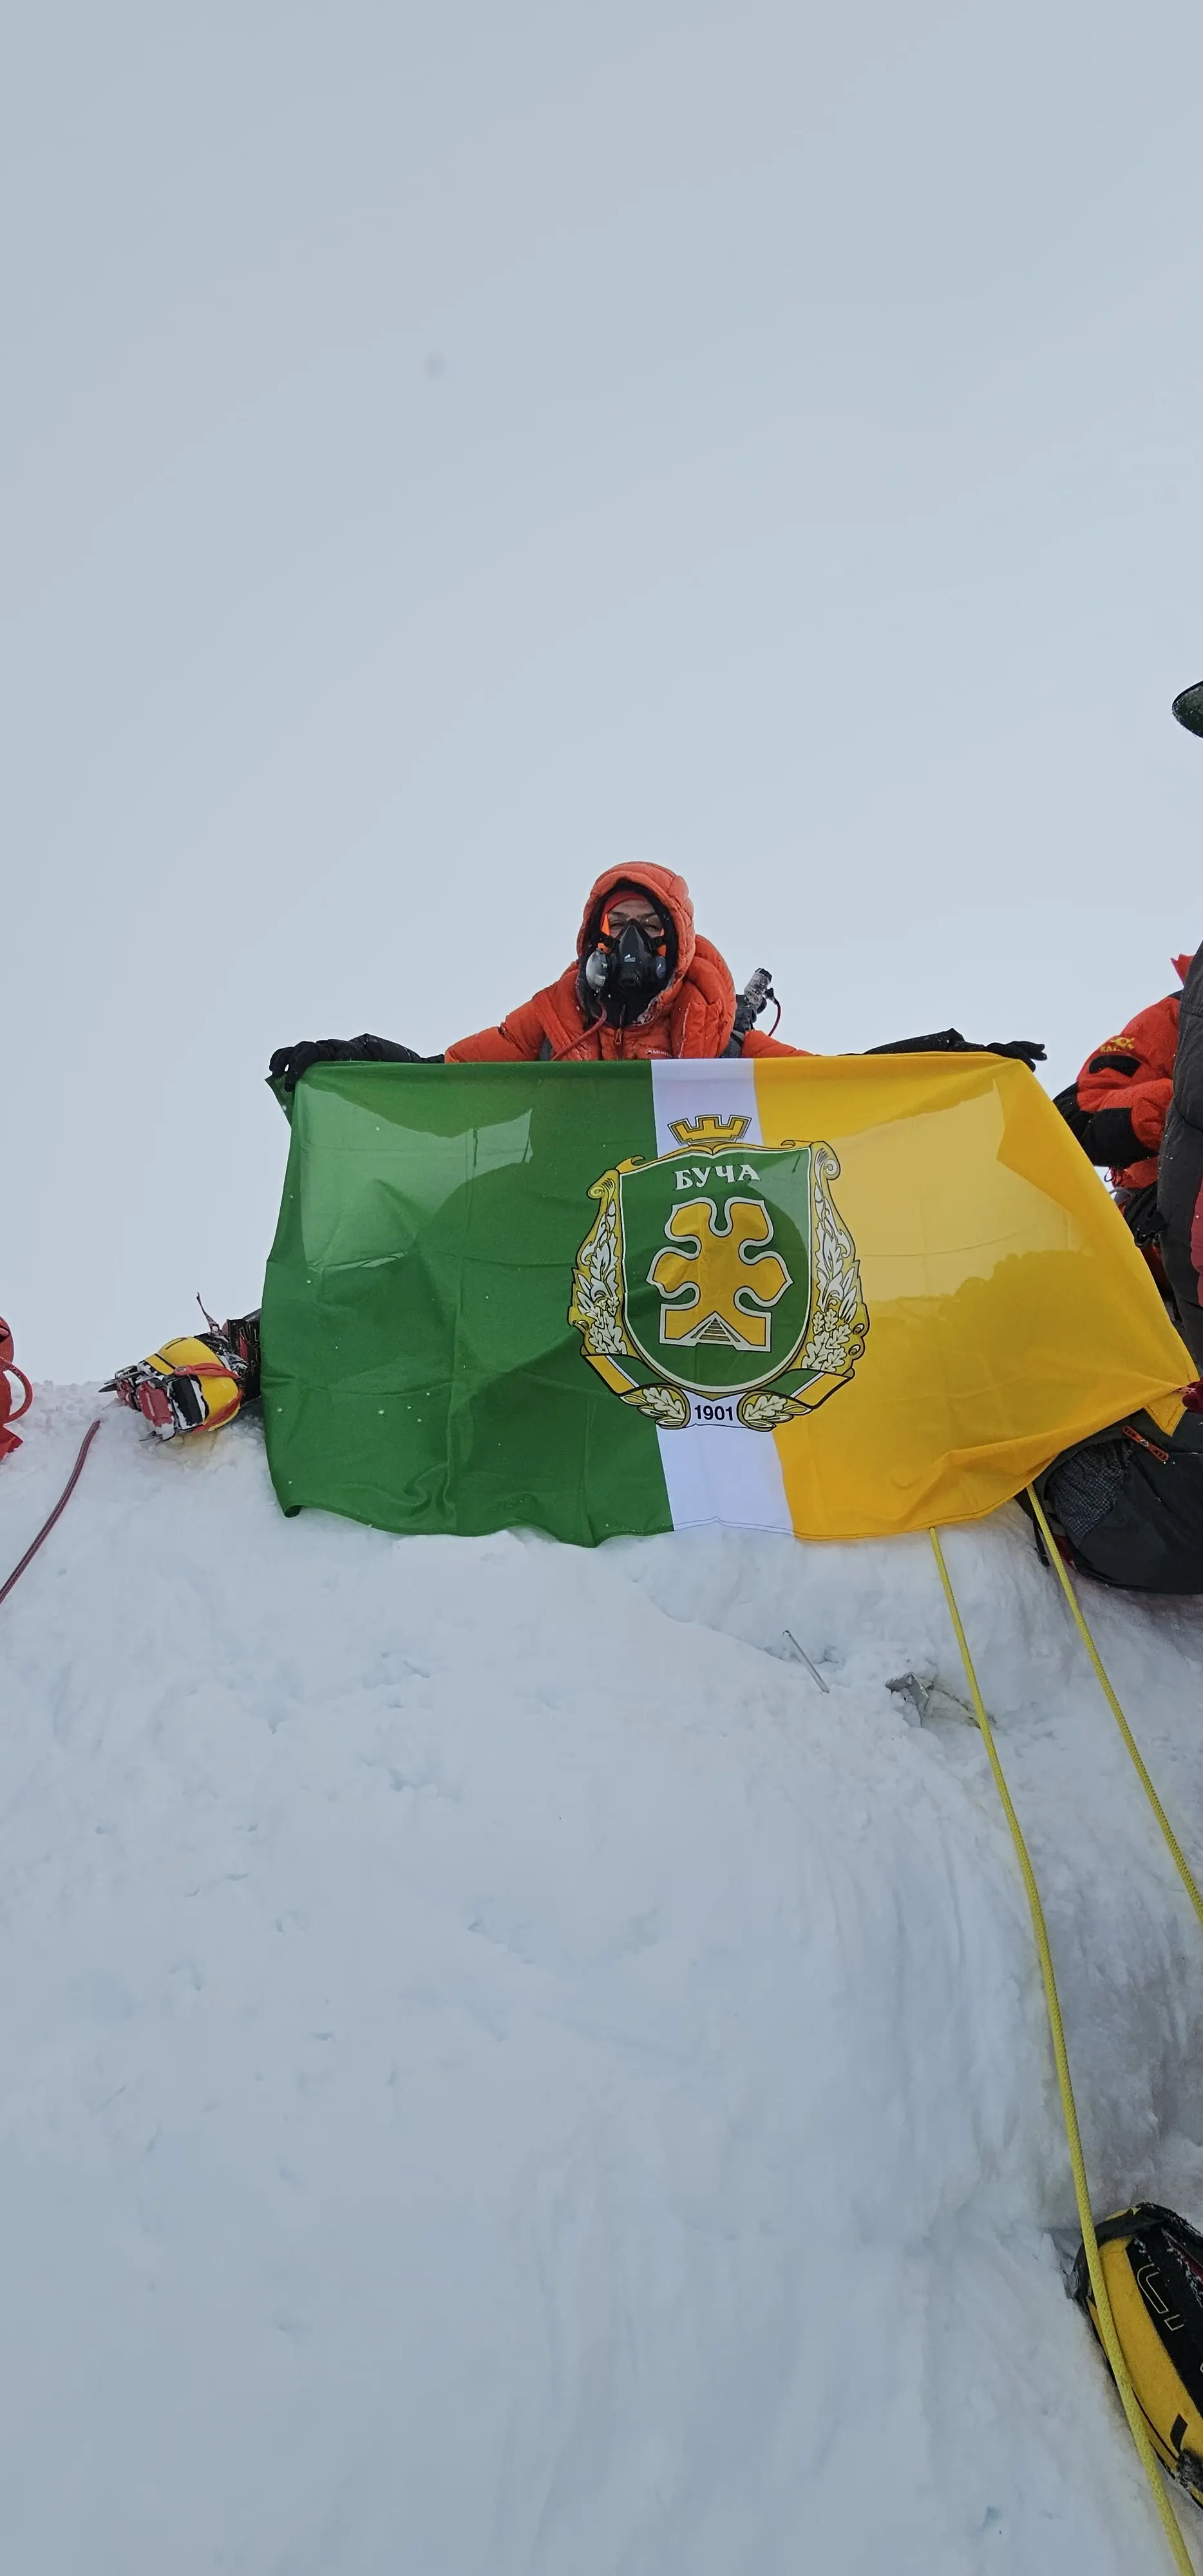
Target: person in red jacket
x=643 y=983
x=1117 y=1107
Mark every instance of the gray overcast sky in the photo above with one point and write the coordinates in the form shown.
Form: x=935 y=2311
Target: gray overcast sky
x=449 y=449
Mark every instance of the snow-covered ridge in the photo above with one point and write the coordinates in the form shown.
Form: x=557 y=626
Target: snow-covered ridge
x=504 y=2077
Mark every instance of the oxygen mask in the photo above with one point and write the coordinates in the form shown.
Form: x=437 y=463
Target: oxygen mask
x=628 y=966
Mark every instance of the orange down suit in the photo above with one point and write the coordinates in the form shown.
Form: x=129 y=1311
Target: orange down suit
x=1134 y=1072
x=694 y=1015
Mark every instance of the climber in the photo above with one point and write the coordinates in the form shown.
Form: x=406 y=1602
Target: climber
x=1117 y=1110
x=1127 y=1504
x=1117 y=1107
x=643 y=983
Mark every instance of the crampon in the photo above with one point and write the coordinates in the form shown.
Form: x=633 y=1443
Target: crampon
x=194 y=1384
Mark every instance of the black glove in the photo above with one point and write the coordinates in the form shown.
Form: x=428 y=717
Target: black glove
x=940 y=1042
x=950 y=1042
x=1025 y=1050
x=289 y=1063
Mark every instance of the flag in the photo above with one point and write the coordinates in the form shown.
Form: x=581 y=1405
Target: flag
x=840 y=1296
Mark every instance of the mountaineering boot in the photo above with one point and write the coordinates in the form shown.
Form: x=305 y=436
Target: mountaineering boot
x=194 y=1384
x=1152 y=2263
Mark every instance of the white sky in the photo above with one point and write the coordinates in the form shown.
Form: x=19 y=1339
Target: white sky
x=448 y=450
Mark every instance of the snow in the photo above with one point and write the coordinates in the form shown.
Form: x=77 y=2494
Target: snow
x=502 y=2076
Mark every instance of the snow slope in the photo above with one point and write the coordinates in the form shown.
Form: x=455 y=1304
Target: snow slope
x=502 y=2076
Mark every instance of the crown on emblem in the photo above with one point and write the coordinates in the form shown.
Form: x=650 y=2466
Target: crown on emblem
x=709 y=1130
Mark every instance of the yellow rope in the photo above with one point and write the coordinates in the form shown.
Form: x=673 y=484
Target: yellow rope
x=1176 y=1852
x=1110 y=2339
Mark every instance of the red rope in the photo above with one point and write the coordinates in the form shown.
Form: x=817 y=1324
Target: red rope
x=9 y=1368
x=60 y=1506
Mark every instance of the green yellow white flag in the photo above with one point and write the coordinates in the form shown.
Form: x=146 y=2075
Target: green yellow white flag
x=840 y=1296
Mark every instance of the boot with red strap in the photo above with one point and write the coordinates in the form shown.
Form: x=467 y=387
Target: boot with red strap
x=10 y=1412
x=194 y=1384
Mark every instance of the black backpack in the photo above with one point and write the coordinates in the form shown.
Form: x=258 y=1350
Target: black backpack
x=1129 y=1504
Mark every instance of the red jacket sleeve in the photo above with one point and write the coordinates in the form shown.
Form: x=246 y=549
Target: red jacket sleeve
x=756 y=1043
x=1134 y=1071
x=516 y=1041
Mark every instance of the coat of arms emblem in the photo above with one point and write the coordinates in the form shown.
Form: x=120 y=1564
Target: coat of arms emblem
x=719 y=1282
